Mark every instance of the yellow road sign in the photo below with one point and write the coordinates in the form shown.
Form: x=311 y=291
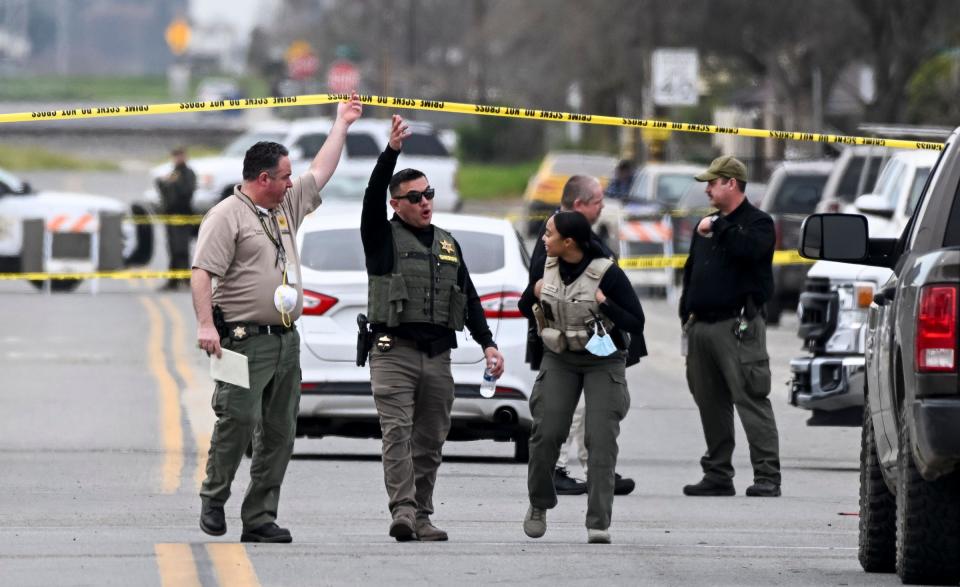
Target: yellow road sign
x=178 y=36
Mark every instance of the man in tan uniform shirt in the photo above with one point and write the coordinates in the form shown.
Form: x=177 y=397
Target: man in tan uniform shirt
x=245 y=250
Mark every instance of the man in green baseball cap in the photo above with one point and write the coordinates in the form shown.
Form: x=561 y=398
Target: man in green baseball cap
x=726 y=280
x=727 y=167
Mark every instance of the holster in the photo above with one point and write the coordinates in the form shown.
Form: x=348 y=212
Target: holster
x=364 y=339
x=219 y=322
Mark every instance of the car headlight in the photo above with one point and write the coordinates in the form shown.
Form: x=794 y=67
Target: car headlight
x=855 y=299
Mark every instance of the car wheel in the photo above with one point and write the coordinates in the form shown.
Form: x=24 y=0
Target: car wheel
x=58 y=285
x=928 y=521
x=878 y=507
x=521 y=447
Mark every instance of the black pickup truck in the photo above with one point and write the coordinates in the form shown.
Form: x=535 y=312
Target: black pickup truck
x=910 y=448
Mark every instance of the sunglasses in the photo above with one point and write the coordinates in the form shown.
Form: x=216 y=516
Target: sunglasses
x=415 y=196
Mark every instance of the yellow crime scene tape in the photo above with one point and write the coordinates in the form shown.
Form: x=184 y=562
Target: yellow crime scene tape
x=453 y=107
x=641 y=262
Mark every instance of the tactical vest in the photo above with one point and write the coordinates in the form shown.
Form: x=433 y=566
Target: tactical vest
x=573 y=309
x=423 y=286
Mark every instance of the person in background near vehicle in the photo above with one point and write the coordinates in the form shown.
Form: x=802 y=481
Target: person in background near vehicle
x=586 y=314
x=581 y=194
x=619 y=186
x=420 y=294
x=176 y=197
x=247 y=242
x=726 y=279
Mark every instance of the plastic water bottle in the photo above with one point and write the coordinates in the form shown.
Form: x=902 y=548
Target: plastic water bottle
x=489 y=385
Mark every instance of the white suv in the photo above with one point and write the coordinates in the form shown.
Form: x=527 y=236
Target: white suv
x=422 y=150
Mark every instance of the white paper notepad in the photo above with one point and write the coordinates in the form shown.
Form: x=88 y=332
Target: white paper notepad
x=230 y=368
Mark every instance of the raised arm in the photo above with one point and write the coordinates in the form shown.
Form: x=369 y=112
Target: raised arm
x=325 y=163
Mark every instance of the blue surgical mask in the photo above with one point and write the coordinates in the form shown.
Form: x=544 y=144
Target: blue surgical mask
x=600 y=344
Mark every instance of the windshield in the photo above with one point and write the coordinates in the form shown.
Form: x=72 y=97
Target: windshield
x=341 y=250
x=671 y=186
x=239 y=146
x=12 y=183
x=916 y=189
x=424 y=145
x=798 y=194
x=344 y=189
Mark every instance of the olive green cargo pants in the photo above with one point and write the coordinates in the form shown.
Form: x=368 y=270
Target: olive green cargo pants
x=724 y=371
x=555 y=395
x=414 y=395
x=265 y=413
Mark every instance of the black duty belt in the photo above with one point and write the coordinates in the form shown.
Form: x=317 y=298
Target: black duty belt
x=243 y=330
x=716 y=315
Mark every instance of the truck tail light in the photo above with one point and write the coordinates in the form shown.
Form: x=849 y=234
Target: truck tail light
x=936 y=343
x=502 y=304
x=317 y=304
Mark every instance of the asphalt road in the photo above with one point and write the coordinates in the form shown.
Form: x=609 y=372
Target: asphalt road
x=105 y=419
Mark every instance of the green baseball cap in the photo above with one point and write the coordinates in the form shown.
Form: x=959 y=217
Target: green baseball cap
x=725 y=166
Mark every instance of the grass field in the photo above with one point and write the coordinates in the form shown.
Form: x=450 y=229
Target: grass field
x=481 y=181
x=20 y=158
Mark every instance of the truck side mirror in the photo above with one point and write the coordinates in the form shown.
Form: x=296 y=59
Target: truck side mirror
x=834 y=237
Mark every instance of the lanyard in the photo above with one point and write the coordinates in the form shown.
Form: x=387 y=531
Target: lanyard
x=277 y=242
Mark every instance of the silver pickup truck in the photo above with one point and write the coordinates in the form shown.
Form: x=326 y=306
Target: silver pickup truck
x=910 y=444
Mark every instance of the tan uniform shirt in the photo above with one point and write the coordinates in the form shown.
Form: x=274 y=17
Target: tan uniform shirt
x=233 y=246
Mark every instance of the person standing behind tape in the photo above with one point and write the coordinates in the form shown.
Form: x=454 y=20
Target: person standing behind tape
x=726 y=280
x=583 y=194
x=176 y=198
x=586 y=305
x=419 y=294
x=247 y=252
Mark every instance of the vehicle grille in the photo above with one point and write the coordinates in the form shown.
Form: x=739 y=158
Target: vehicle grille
x=818 y=314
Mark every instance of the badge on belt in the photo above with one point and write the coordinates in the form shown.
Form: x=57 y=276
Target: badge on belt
x=239 y=333
x=384 y=343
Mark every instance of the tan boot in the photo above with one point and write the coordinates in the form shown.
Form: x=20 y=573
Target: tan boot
x=427 y=532
x=402 y=528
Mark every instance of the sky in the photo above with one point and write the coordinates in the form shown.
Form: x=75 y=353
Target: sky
x=242 y=14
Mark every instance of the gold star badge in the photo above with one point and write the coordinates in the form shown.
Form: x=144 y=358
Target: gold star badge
x=239 y=332
x=282 y=221
x=447 y=247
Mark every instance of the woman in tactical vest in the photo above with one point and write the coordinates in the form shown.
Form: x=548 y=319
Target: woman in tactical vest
x=586 y=311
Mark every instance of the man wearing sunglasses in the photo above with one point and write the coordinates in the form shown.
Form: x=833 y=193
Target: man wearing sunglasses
x=419 y=294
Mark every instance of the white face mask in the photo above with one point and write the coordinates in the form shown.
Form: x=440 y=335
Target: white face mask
x=285 y=299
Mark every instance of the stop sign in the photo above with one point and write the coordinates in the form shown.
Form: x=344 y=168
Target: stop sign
x=303 y=67
x=343 y=77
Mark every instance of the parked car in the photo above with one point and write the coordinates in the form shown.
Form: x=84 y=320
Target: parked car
x=663 y=183
x=854 y=173
x=86 y=232
x=794 y=189
x=336 y=395
x=544 y=189
x=832 y=312
x=422 y=150
x=910 y=447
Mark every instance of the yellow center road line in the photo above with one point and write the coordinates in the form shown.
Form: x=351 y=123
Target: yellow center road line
x=171 y=431
x=194 y=399
x=176 y=564
x=232 y=565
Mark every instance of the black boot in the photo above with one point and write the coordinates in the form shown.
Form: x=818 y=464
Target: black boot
x=706 y=487
x=212 y=520
x=567 y=485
